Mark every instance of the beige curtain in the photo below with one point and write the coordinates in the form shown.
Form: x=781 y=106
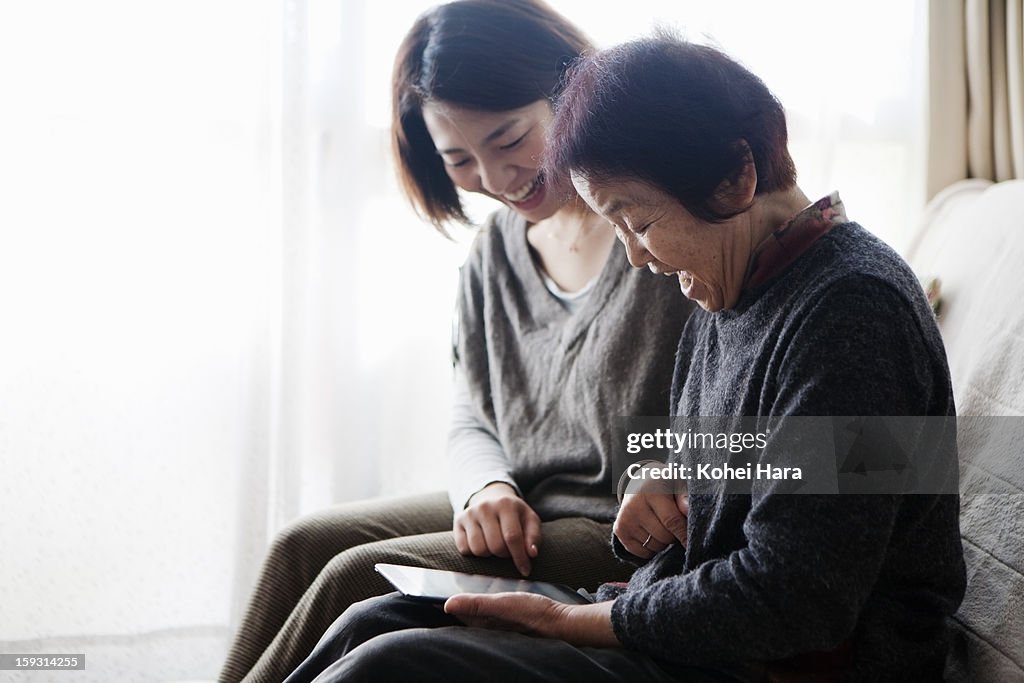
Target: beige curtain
x=976 y=91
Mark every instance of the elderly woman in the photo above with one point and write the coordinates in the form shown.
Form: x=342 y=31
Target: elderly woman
x=805 y=314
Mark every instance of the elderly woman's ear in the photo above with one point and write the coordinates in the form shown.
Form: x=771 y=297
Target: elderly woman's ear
x=735 y=195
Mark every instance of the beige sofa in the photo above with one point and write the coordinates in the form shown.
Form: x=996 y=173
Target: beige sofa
x=972 y=239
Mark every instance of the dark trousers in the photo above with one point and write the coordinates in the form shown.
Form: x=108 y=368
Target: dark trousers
x=393 y=638
x=323 y=562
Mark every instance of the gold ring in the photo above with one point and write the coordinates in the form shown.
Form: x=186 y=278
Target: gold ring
x=644 y=544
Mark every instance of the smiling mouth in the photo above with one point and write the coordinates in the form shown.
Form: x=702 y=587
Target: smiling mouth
x=526 y=192
x=684 y=277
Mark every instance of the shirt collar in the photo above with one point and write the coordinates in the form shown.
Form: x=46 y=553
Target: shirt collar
x=784 y=246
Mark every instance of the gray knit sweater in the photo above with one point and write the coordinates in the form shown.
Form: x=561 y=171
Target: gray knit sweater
x=547 y=382
x=845 y=330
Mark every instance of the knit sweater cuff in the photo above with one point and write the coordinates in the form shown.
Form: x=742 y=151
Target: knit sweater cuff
x=625 y=480
x=460 y=498
x=620 y=623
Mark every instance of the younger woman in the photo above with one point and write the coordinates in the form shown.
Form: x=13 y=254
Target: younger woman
x=556 y=337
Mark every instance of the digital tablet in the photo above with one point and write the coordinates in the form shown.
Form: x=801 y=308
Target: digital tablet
x=436 y=585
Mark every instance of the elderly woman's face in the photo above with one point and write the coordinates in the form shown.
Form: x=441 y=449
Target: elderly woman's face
x=709 y=259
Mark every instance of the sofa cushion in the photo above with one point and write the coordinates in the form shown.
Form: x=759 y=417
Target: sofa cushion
x=972 y=238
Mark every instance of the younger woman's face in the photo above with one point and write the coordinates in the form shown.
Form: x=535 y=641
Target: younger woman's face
x=496 y=153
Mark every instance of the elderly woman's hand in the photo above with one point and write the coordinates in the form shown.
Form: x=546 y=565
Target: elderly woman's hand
x=536 y=615
x=649 y=521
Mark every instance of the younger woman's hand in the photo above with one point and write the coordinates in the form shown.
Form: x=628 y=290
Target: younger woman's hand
x=498 y=522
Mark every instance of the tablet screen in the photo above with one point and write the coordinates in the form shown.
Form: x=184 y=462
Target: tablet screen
x=437 y=585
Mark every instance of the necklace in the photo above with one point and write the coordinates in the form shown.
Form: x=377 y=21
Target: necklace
x=583 y=230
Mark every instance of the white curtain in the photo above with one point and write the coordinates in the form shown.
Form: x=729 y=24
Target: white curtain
x=216 y=315
x=136 y=229
x=217 y=312
x=976 y=94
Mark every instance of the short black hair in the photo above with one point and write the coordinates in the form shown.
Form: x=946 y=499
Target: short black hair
x=672 y=113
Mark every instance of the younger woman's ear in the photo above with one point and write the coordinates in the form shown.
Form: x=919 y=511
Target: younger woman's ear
x=737 y=194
